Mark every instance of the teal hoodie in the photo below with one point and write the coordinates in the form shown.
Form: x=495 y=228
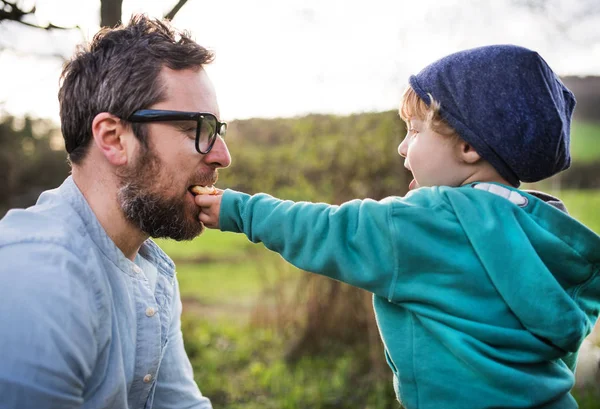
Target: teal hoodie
x=482 y=299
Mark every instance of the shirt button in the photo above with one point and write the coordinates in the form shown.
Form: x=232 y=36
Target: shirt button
x=147 y=378
x=150 y=312
x=137 y=269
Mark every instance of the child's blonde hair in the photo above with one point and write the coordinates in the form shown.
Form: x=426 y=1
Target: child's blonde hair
x=412 y=106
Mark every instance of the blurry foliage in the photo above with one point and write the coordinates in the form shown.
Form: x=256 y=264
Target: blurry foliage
x=318 y=157
x=32 y=159
x=243 y=368
x=110 y=13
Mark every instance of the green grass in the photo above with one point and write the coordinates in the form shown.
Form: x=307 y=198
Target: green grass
x=241 y=281
x=220 y=282
x=584 y=205
x=585 y=141
x=210 y=244
x=244 y=368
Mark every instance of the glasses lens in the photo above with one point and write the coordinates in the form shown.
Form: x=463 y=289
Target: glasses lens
x=223 y=130
x=208 y=127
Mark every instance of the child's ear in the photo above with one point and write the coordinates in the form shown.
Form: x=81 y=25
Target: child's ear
x=111 y=137
x=467 y=153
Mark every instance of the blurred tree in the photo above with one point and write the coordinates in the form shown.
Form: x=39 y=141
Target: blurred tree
x=110 y=13
x=32 y=159
x=14 y=11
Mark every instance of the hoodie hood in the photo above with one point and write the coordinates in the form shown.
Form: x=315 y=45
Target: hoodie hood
x=555 y=293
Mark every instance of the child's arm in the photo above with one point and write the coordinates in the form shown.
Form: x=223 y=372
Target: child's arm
x=351 y=243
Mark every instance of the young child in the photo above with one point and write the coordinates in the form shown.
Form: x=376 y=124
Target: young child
x=483 y=293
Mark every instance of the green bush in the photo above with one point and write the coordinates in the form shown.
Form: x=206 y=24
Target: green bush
x=240 y=366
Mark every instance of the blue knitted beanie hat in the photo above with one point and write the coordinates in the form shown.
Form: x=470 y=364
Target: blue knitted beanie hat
x=508 y=104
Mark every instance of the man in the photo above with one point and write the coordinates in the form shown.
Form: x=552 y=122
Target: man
x=89 y=306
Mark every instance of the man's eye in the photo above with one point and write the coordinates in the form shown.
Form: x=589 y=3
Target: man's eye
x=188 y=129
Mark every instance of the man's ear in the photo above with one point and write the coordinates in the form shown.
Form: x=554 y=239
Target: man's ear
x=467 y=153
x=110 y=136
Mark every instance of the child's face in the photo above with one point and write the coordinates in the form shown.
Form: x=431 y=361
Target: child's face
x=431 y=157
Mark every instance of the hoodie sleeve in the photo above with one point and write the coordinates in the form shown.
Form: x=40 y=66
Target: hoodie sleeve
x=352 y=243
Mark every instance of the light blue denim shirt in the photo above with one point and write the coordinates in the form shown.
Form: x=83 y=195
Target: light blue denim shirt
x=80 y=326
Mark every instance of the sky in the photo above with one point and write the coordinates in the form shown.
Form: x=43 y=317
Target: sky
x=294 y=57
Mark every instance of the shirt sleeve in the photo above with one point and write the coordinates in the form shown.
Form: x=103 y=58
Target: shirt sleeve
x=47 y=320
x=352 y=243
x=175 y=386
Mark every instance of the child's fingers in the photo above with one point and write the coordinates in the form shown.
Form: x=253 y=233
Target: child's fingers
x=210 y=206
x=207 y=200
x=209 y=220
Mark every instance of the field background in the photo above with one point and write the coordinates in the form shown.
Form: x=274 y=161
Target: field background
x=260 y=333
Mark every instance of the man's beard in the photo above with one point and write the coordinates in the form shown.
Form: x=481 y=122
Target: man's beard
x=144 y=205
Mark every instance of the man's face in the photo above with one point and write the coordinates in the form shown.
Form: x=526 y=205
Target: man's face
x=154 y=189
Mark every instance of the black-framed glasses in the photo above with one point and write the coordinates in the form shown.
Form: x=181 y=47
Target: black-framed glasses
x=207 y=125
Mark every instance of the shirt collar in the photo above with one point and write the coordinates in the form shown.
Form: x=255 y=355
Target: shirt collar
x=149 y=250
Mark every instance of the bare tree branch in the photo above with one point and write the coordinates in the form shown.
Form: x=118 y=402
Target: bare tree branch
x=175 y=10
x=10 y=11
x=49 y=26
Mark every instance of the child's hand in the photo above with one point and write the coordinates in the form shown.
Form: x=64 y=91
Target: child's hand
x=210 y=205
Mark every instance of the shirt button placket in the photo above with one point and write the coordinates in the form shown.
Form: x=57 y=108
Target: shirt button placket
x=150 y=312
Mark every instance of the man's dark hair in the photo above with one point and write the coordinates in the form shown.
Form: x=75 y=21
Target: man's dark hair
x=119 y=72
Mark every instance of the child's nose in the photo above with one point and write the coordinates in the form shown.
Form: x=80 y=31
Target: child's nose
x=402 y=148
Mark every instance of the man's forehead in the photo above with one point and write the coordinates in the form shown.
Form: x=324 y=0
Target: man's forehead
x=188 y=90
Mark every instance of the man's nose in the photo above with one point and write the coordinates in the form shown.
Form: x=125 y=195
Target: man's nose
x=219 y=156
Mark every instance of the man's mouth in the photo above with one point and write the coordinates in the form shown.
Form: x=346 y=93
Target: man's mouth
x=202 y=190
